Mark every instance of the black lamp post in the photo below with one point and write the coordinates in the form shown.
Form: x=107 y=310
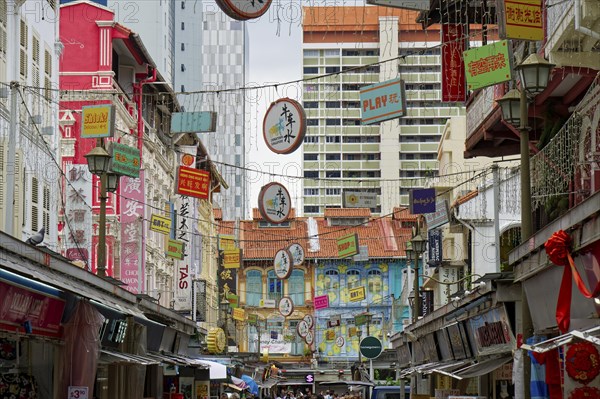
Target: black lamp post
x=99 y=162
x=225 y=307
x=419 y=244
x=534 y=73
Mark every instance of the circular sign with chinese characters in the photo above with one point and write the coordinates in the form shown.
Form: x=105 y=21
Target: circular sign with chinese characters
x=309 y=339
x=286 y=306
x=302 y=328
x=297 y=254
x=309 y=320
x=244 y=9
x=274 y=203
x=284 y=126
x=282 y=264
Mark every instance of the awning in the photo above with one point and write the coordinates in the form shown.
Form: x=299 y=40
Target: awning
x=294 y=382
x=111 y=356
x=217 y=371
x=270 y=383
x=481 y=368
x=591 y=335
x=447 y=368
x=170 y=358
x=233 y=386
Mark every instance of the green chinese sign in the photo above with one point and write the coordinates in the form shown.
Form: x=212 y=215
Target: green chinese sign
x=488 y=65
x=360 y=319
x=125 y=160
x=175 y=249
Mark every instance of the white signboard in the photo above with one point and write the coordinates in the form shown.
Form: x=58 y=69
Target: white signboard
x=284 y=126
x=283 y=264
x=267 y=303
x=297 y=252
x=274 y=203
x=358 y=199
x=419 y=5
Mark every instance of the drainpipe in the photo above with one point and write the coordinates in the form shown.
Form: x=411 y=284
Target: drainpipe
x=583 y=29
x=138 y=91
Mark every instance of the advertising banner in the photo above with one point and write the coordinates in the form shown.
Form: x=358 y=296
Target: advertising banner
x=491 y=332
x=321 y=302
x=434 y=247
x=523 y=20
x=347 y=245
x=453 y=66
x=97 y=121
x=132 y=233
x=78 y=198
x=422 y=200
x=274 y=343
x=193 y=182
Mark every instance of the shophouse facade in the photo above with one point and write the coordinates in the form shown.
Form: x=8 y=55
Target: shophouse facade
x=29 y=51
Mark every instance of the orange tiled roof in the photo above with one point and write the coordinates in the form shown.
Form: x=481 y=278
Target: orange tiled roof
x=347 y=213
x=264 y=242
x=226 y=227
x=218 y=213
x=403 y=214
x=467 y=197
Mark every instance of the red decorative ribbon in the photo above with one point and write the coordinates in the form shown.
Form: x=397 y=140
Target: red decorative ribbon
x=559 y=252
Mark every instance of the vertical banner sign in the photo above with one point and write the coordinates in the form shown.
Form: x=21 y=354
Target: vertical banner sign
x=132 y=237
x=426 y=303
x=183 y=278
x=227 y=281
x=78 y=204
x=523 y=20
x=453 y=66
x=434 y=247
x=488 y=65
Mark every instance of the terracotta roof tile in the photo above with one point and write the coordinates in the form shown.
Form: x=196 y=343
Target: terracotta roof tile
x=347 y=213
x=403 y=214
x=218 y=213
x=465 y=198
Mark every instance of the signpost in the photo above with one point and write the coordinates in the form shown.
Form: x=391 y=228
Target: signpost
x=370 y=347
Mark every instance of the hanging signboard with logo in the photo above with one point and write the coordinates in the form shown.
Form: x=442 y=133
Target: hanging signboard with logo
x=282 y=264
x=302 y=328
x=422 y=200
x=160 y=224
x=523 y=20
x=297 y=252
x=358 y=199
x=97 y=121
x=125 y=160
x=347 y=245
x=232 y=258
x=357 y=294
x=193 y=182
x=274 y=203
x=434 y=246
x=382 y=101
x=286 y=306
x=226 y=242
x=491 y=332
x=243 y=9
x=239 y=314
x=175 y=249
x=321 y=302
x=193 y=122
x=284 y=126
x=440 y=216
x=488 y=65
x=309 y=320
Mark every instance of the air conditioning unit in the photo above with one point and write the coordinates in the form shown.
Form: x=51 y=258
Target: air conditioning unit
x=4 y=92
x=48 y=130
x=37 y=119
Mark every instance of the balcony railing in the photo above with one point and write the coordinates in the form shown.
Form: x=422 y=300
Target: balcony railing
x=567 y=170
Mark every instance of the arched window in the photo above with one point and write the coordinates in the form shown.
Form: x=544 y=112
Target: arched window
x=332 y=286
x=274 y=286
x=374 y=284
x=353 y=279
x=254 y=287
x=296 y=287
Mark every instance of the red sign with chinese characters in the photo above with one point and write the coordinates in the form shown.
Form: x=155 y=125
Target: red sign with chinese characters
x=193 y=182
x=453 y=66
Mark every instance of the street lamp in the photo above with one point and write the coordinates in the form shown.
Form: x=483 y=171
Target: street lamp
x=534 y=73
x=225 y=306
x=419 y=244
x=99 y=163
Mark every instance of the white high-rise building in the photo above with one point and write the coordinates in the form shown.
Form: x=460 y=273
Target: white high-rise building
x=339 y=153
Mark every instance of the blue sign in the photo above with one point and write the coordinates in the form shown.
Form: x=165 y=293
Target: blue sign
x=193 y=122
x=383 y=101
x=435 y=247
x=422 y=200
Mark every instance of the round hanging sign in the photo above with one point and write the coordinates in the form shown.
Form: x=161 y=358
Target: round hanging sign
x=302 y=328
x=309 y=339
x=309 y=320
x=284 y=126
x=282 y=264
x=244 y=9
x=339 y=341
x=216 y=340
x=274 y=203
x=297 y=254
x=286 y=306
